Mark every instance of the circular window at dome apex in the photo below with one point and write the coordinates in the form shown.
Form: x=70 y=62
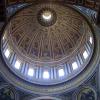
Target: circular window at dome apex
x=44 y=53
x=47 y=17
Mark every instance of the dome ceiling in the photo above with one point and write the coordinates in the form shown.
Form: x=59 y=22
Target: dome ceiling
x=47 y=43
x=41 y=43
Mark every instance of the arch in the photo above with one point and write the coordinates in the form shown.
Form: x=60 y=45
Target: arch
x=44 y=98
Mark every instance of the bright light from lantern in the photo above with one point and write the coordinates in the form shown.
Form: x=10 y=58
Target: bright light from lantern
x=3 y=37
x=7 y=53
x=30 y=72
x=17 y=64
x=61 y=72
x=46 y=75
x=47 y=15
x=91 y=40
x=85 y=55
x=74 y=66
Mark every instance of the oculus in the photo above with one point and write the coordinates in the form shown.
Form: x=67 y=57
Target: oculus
x=47 y=17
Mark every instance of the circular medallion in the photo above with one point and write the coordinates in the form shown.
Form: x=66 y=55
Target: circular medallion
x=85 y=93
